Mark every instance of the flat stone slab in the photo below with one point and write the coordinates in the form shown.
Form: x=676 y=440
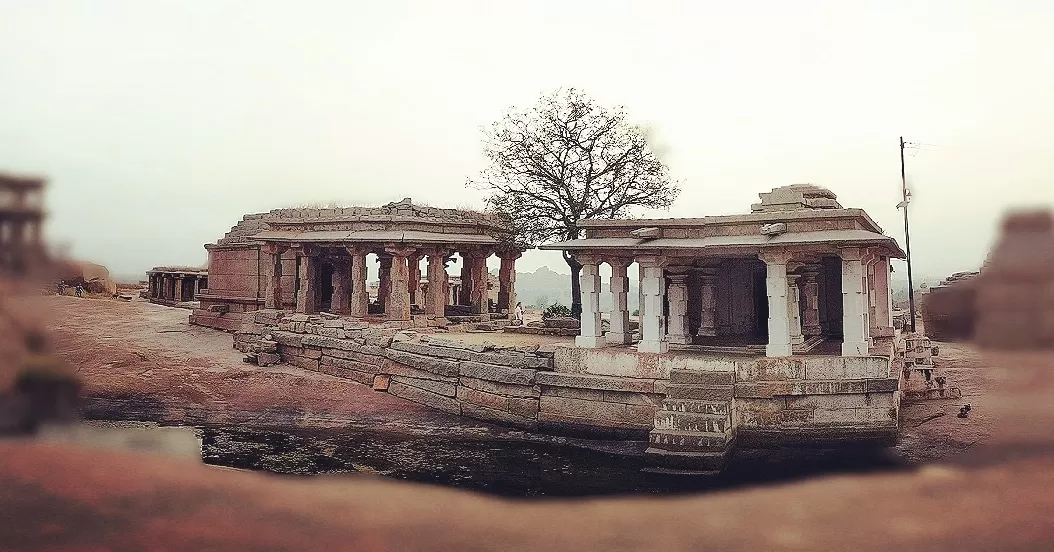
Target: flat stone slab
x=587 y=381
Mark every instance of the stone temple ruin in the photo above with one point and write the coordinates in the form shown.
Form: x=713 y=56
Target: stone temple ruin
x=22 y=248
x=175 y=285
x=314 y=260
x=767 y=329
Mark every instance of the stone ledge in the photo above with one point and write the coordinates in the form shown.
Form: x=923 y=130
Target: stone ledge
x=427 y=398
x=607 y=383
x=398 y=369
x=503 y=374
x=490 y=415
x=522 y=407
x=600 y=413
x=444 y=388
x=498 y=388
x=555 y=424
x=435 y=365
x=700 y=393
x=701 y=378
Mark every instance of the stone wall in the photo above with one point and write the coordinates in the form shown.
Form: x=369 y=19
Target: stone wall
x=599 y=393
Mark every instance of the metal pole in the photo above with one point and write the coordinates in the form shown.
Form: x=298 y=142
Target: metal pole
x=907 y=237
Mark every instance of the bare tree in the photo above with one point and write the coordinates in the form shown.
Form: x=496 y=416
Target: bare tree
x=565 y=160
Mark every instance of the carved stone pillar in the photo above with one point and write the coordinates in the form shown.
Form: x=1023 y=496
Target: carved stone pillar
x=809 y=288
x=398 y=305
x=507 y=280
x=307 y=295
x=707 y=303
x=590 y=335
x=384 y=286
x=653 y=335
x=776 y=288
x=883 y=296
x=414 y=264
x=341 y=281
x=360 y=292
x=794 y=309
x=677 y=299
x=854 y=316
x=464 y=295
x=619 y=332
x=273 y=295
x=480 y=284
x=179 y=290
x=436 y=295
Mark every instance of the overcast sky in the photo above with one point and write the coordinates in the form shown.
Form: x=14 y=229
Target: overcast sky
x=160 y=123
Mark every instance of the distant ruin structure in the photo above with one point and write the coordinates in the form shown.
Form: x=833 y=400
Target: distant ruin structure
x=172 y=285
x=948 y=308
x=22 y=247
x=315 y=260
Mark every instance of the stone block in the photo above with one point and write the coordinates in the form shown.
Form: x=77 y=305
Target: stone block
x=609 y=383
x=440 y=366
x=702 y=378
x=311 y=352
x=500 y=416
x=511 y=359
x=700 y=393
x=602 y=413
x=769 y=369
x=399 y=369
x=498 y=388
x=835 y=402
x=697 y=407
x=866 y=367
x=354 y=375
x=694 y=363
x=825 y=368
x=523 y=407
x=764 y=389
x=688 y=441
x=430 y=350
x=883 y=385
x=381 y=382
x=302 y=362
x=758 y=413
x=699 y=423
x=445 y=388
x=830 y=387
x=268 y=359
x=427 y=398
x=288 y=338
x=349 y=365
x=453 y=344
x=337 y=333
x=503 y=374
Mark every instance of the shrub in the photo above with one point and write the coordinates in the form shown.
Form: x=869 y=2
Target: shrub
x=556 y=310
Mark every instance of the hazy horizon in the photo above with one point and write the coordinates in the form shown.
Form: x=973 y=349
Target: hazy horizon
x=160 y=124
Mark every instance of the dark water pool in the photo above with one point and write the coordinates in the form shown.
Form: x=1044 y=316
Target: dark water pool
x=507 y=467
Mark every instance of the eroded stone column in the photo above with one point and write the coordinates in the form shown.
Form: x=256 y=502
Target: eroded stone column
x=179 y=290
x=618 y=331
x=414 y=264
x=360 y=292
x=507 y=280
x=707 y=303
x=340 y=279
x=307 y=295
x=273 y=294
x=653 y=336
x=809 y=287
x=794 y=309
x=883 y=295
x=854 y=318
x=436 y=296
x=464 y=295
x=776 y=288
x=384 y=285
x=677 y=299
x=590 y=334
x=398 y=305
x=479 y=279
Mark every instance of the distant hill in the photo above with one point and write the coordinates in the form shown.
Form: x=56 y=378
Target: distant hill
x=543 y=287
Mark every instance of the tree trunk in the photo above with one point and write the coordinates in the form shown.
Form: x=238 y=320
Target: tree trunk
x=576 y=285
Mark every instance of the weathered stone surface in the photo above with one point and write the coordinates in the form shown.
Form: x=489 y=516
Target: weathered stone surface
x=288 y=338
x=268 y=359
x=311 y=352
x=699 y=393
x=447 y=389
x=834 y=402
x=399 y=369
x=427 y=398
x=454 y=344
x=349 y=365
x=600 y=413
x=502 y=417
x=523 y=407
x=688 y=441
x=512 y=359
x=499 y=388
x=769 y=369
x=702 y=378
x=764 y=389
x=504 y=374
x=882 y=385
x=760 y=413
x=337 y=333
x=833 y=387
x=442 y=367
x=354 y=375
x=641 y=399
x=302 y=362
x=586 y=381
x=702 y=423
x=430 y=350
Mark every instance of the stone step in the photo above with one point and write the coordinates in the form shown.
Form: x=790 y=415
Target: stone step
x=691 y=406
x=701 y=378
x=688 y=441
x=699 y=392
x=703 y=463
x=704 y=423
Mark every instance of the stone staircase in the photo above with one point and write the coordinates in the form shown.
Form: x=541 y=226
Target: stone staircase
x=693 y=431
